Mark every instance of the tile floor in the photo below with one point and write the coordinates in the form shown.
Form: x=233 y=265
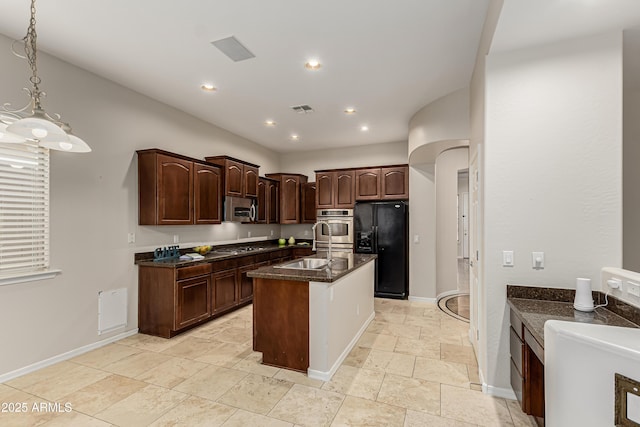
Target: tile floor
x=413 y=367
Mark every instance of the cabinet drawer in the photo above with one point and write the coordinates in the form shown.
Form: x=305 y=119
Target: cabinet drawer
x=246 y=260
x=262 y=257
x=516 y=324
x=193 y=271
x=516 y=346
x=224 y=265
x=279 y=254
x=517 y=384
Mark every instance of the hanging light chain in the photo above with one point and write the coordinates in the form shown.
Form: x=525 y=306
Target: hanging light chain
x=31 y=53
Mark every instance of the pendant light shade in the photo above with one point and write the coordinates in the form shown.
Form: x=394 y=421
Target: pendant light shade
x=32 y=122
x=7 y=137
x=41 y=129
x=73 y=145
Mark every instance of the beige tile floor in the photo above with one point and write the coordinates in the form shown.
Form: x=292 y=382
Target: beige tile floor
x=413 y=367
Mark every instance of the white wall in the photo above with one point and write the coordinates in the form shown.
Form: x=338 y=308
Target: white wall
x=422 y=223
x=94 y=204
x=392 y=153
x=439 y=126
x=631 y=151
x=445 y=119
x=552 y=174
x=448 y=164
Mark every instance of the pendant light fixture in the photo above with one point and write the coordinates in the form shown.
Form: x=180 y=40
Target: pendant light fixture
x=32 y=122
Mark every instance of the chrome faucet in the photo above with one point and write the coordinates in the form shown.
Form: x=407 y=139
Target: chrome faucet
x=329 y=254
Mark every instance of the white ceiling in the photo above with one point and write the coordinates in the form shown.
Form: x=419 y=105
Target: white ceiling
x=386 y=58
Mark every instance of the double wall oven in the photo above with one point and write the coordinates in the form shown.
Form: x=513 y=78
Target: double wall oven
x=341 y=223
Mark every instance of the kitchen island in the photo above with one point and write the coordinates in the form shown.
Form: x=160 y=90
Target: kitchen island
x=309 y=319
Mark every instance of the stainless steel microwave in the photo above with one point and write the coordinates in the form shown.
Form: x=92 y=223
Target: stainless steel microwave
x=239 y=209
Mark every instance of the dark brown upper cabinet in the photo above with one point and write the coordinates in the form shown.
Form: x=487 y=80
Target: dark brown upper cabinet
x=268 y=201
x=308 y=203
x=240 y=177
x=382 y=183
x=335 y=189
x=176 y=190
x=394 y=182
x=368 y=184
x=207 y=181
x=290 y=196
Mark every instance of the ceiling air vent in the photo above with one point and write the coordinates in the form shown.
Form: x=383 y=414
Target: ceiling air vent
x=302 y=109
x=233 y=49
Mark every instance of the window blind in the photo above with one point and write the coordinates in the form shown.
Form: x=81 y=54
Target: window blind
x=24 y=208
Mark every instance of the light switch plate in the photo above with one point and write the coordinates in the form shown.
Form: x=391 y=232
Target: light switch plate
x=507 y=259
x=537 y=260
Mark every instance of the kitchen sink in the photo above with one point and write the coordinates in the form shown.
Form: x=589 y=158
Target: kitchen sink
x=305 y=264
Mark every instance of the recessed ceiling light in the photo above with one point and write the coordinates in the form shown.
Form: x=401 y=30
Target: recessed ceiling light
x=364 y=128
x=312 y=64
x=350 y=110
x=269 y=123
x=208 y=87
x=295 y=137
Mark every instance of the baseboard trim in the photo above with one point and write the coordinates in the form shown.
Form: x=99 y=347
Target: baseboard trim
x=326 y=375
x=505 y=393
x=423 y=299
x=64 y=356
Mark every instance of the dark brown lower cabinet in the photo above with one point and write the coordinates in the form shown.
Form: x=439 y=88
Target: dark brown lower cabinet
x=282 y=335
x=527 y=369
x=172 y=300
x=194 y=301
x=225 y=284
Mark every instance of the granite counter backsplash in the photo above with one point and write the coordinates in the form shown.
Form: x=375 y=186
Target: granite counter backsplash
x=536 y=305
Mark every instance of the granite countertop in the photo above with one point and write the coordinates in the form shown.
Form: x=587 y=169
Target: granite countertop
x=339 y=267
x=217 y=254
x=534 y=306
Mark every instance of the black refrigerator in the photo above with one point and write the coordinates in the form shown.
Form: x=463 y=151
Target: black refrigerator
x=382 y=228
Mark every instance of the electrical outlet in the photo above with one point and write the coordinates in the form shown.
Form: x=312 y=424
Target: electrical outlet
x=131 y=237
x=633 y=288
x=248 y=234
x=176 y=238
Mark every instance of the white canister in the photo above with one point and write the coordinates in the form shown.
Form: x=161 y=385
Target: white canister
x=584 y=297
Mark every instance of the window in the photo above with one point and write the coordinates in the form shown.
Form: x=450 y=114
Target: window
x=24 y=211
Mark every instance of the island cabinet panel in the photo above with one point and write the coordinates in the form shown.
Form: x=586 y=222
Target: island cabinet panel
x=282 y=335
x=308 y=203
x=368 y=185
x=207 y=187
x=289 y=196
x=394 y=183
x=240 y=177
